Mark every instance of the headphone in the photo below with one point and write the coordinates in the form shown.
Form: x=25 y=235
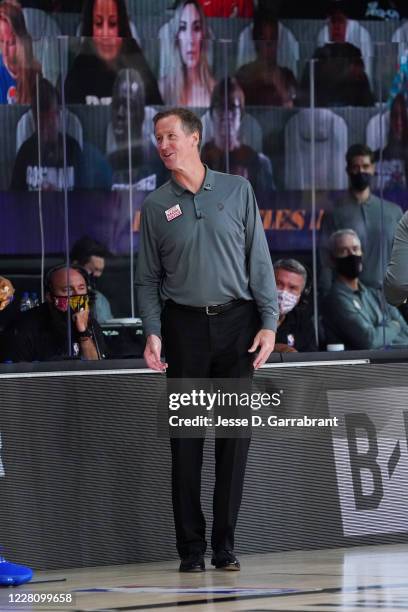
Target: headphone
x=308 y=285
x=282 y=263
x=84 y=273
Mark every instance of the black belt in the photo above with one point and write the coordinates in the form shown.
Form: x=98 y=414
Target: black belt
x=209 y=310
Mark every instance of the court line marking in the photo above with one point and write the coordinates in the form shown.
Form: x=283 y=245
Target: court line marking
x=214 y=600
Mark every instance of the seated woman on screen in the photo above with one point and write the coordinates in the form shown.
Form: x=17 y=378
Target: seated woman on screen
x=18 y=67
x=107 y=49
x=190 y=81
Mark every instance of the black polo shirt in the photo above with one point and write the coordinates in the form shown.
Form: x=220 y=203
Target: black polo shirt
x=36 y=337
x=297 y=330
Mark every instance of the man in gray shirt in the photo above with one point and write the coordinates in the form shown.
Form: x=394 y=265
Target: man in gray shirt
x=354 y=314
x=206 y=285
x=374 y=220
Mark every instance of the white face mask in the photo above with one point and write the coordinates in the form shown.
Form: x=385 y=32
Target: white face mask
x=287 y=301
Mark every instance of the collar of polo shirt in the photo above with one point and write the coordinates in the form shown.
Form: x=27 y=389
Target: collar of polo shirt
x=208 y=185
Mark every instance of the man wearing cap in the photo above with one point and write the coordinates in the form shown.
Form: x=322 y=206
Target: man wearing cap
x=206 y=287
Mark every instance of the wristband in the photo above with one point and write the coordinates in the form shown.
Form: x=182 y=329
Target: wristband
x=84 y=334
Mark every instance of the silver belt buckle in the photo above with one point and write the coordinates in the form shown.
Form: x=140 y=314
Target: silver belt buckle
x=210 y=314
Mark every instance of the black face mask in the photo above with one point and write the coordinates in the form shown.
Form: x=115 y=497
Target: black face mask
x=360 y=181
x=350 y=266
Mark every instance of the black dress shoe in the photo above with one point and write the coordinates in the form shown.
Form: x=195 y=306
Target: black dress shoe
x=192 y=563
x=226 y=560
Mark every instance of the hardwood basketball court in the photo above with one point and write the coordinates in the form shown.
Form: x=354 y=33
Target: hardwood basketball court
x=360 y=578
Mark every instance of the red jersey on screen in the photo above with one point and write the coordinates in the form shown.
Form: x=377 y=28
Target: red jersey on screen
x=228 y=8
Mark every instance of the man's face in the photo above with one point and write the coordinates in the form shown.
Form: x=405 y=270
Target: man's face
x=50 y=124
x=174 y=145
x=128 y=95
x=347 y=245
x=105 y=29
x=63 y=284
x=337 y=27
x=95 y=266
x=267 y=45
x=227 y=122
x=361 y=163
x=289 y=281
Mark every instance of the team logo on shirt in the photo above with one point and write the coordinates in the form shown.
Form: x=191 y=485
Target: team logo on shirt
x=11 y=94
x=173 y=212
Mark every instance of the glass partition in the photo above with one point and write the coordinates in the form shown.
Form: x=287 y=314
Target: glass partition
x=349 y=95
x=266 y=73
x=280 y=106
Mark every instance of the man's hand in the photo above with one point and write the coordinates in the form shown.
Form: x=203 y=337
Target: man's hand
x=81 y=319
x=265 y=341
x=152 y=353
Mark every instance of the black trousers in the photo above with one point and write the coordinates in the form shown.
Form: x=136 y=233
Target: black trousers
x=200 y=346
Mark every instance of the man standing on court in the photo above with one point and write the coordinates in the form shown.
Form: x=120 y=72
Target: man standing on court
x=206 y=287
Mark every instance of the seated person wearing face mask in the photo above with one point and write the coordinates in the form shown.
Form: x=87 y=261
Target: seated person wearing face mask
x=353 y=314
x=41 y=334
x=374 y=220
x=295 y=327
x=90 y=255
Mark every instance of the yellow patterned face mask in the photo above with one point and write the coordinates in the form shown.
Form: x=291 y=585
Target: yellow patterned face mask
x=76 y=302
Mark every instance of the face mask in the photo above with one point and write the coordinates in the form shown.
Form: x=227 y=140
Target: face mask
x=286 y=301
x=360 y=181
x=76 y=302
x=350 y=266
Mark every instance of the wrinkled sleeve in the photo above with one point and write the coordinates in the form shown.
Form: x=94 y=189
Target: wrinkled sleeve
x=353 y=328
x=149 y=274
x=396 y=277
x=261 y=276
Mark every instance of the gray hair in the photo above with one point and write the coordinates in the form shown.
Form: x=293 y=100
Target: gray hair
x=292 y=265
x=332 y=244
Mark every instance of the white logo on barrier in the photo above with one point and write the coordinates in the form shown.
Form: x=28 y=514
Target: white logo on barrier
x=2 y=472
x=371 y=457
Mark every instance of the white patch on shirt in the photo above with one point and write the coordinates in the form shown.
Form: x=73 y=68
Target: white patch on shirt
x=11 y=94
x=291 y=340
x=357 y=304
x=173 y=212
